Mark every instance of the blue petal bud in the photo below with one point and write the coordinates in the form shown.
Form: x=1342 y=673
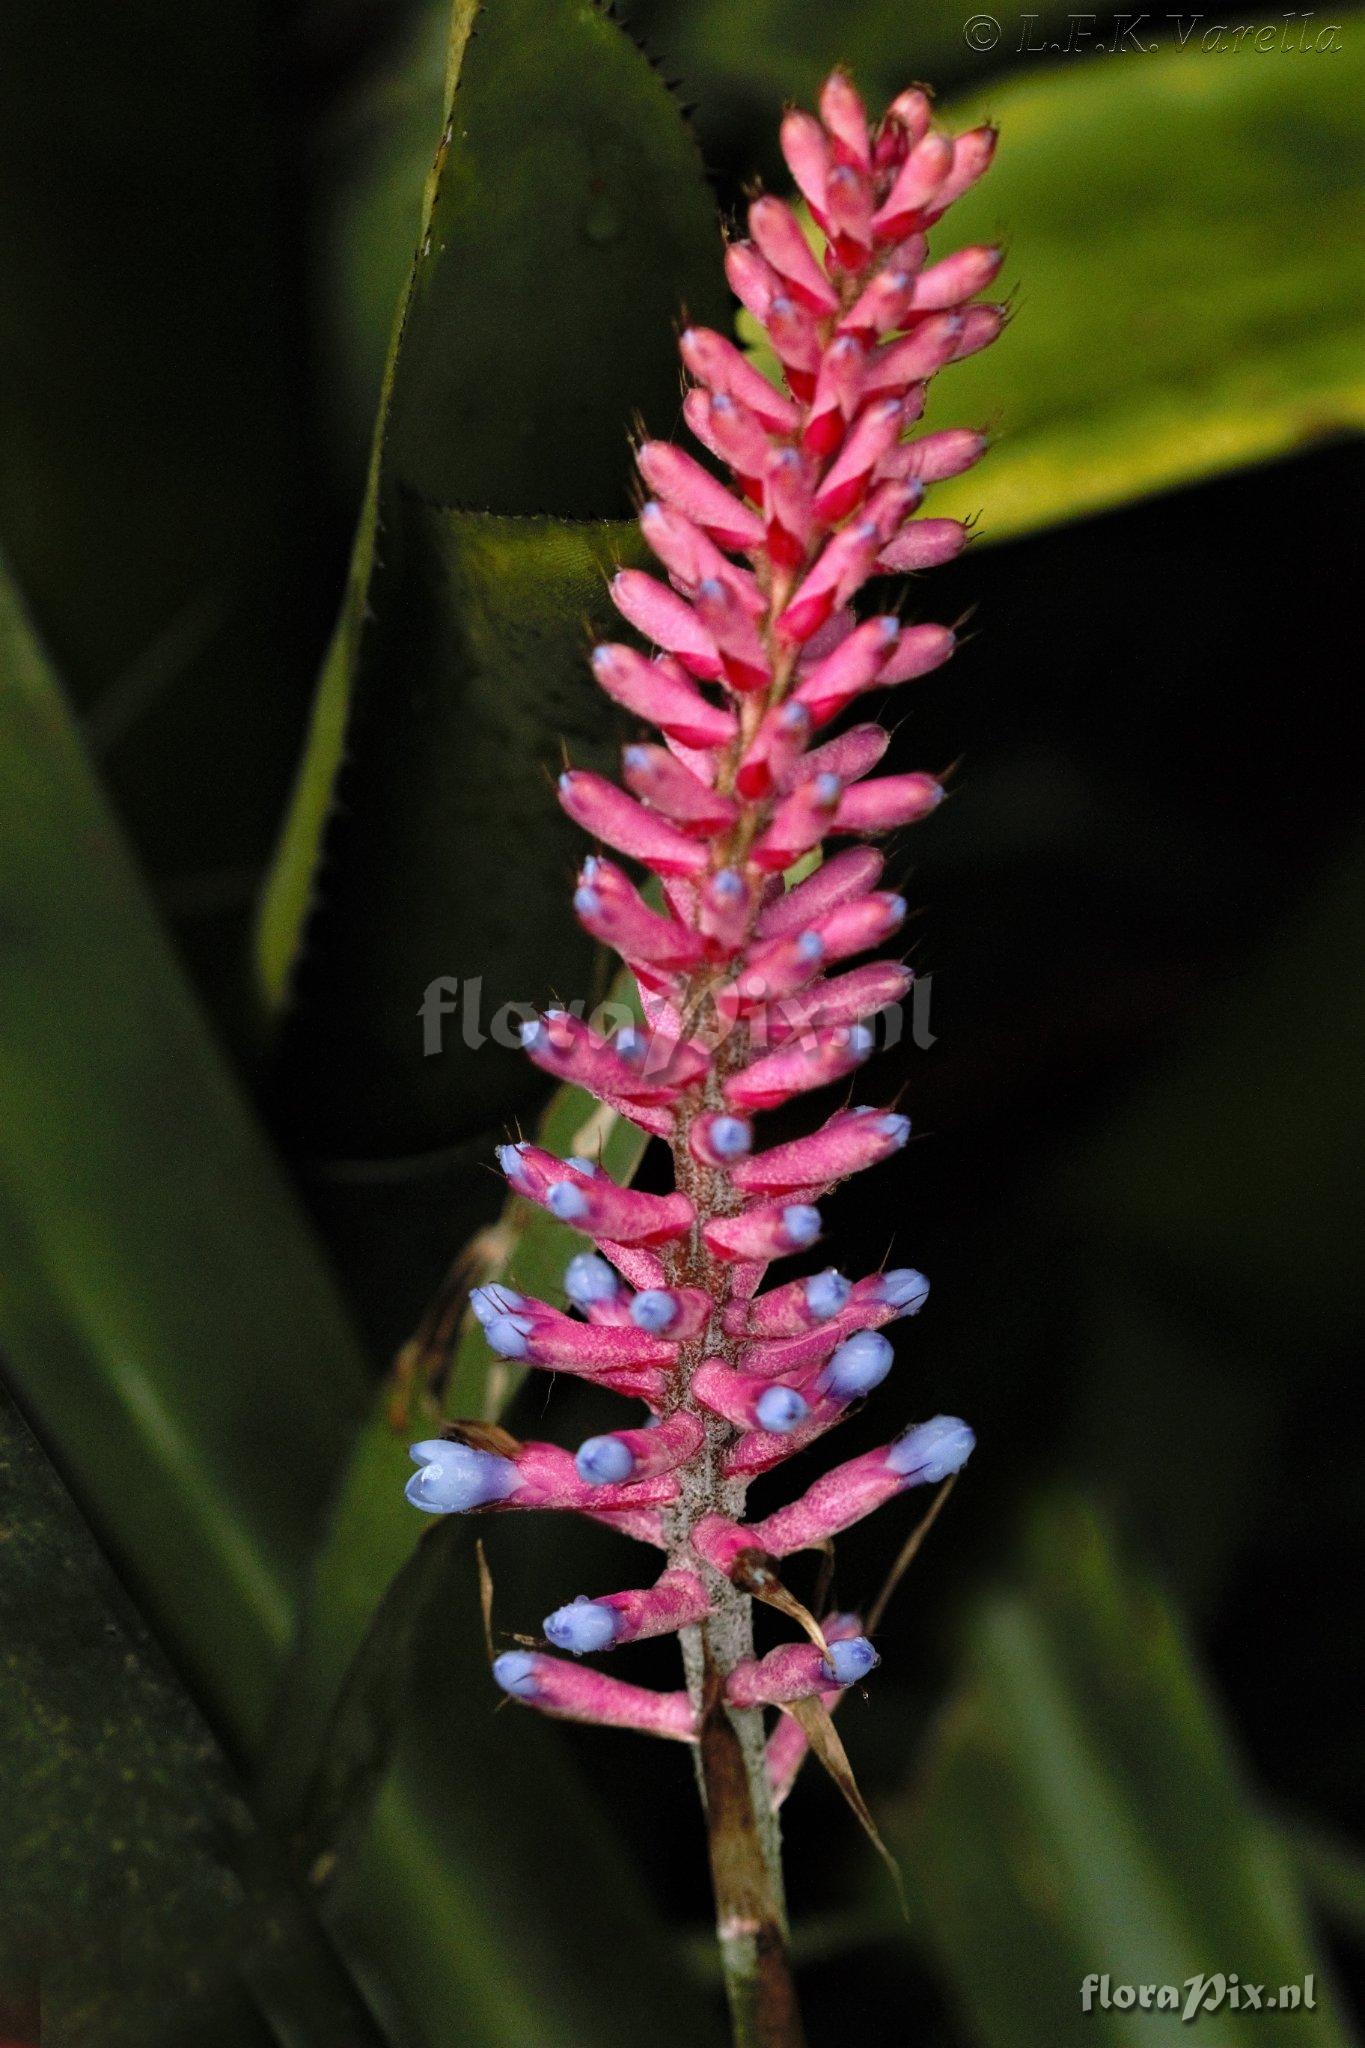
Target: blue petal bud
x=604 y=1461
x=895 y=1127
x=587 y=902
x=515 y=1672
x=860 y=1364
x=530 y=1032
x=635 y=757
x=583 y=1626
x=727 y=884
x=488 y=1303
x=904 y=1289
x=850 y=1660
x=801 y=1222
x=779 y=1409
x=729 y=1137
x=828 y=788
x=933 y=1450
x=811 y=947
x=581 y=1165
x=509 y=1159
x=566 y=1201
x=588 y=1280
x=654 y=1309
x=897 y=908
x=860 y=1041
x=507 y=1336
x=454 y=1478
x=826 y=1294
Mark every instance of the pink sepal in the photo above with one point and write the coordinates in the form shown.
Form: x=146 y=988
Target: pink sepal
x=839 y=880
x=716 y=362
x=675 y=476
x=806 y=148
x=850 y=1141
x=751 y=278
x=642 y=1525
x=668 y=620
x=800 y=822
x=923 y=544
x=832 y=1503
x=550 y=1480
x=826 y=1055
x=842 y=565
x=787 y=1745
x=957 y=277
x=853 y=667
x=658 y=1451
x=777 y=232
x=919 y=649
x=858 y=926
x=732 y=1394
x=774 y=967
x=554 y=1339
x=828 y=1005
x=850 y=756
x=793 y=1671
x=887 y=803
x=845 y=116
x=677 y=1599
x=915 y=356
x=972 y=155
x=760 y=1232
x=654 y=775
x=845 y=483
x=662 y=692
x=731 y=432
x=690 y=555
x=575 y=1692
x=914 y=189
x=613 y=910
x=610 y=815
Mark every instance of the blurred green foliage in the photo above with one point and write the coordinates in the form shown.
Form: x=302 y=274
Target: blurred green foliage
x=1140 y=1213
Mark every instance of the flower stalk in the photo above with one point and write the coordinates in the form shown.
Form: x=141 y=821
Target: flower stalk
x=758 y=649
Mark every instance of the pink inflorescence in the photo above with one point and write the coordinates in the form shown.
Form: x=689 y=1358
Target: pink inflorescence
x=746 y=992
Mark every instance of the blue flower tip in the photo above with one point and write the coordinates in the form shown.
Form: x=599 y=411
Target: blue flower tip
x=933 y=1451
x=604 y=1461
x=515 y=1672
x=780 y=1409
x=582 y=1627
x=730 y=1137
x=860 y=1364
x=566 y=1201
x=850 y=1660
x=826 y=1294
x=589 y=1279
x=654 y=1309
x=801 y=1222
x=905 y=1290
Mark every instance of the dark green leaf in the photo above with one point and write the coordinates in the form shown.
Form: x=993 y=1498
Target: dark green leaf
x=164 y=1313
x=566 y=223
x=133 y=1884
x=154 y=470
x=1084 y=1813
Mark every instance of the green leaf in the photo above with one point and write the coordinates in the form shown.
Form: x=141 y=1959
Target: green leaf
x=134 y=1883
x=165 y=1314
x=155 y=494
x=1187 y=235
x=566 y=222
x=1083 y=1812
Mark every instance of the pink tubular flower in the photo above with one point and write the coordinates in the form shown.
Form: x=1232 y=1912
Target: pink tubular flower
x=765 y=624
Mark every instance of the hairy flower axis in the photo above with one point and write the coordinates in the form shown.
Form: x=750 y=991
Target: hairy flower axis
x=748 y=1000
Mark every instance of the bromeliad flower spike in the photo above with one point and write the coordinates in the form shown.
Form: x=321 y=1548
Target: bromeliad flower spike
x=749 y=1003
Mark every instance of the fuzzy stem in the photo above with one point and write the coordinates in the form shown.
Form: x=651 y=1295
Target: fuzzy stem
x=743 y=1830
